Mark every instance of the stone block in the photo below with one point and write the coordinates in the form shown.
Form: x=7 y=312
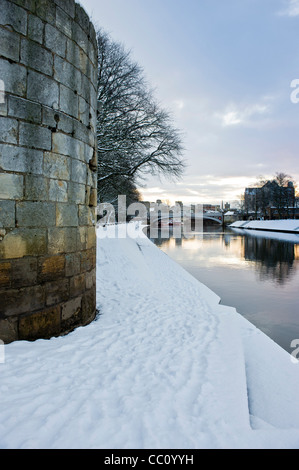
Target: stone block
x=84 y=111
x=66 y=215
x=7 y=214
x=24 y=272
x=35 y=29
x=13 y=16
x=87 y=260
x=36 y=188
x=67 y=145
x=35 y=214
x=71 y=308
x=21 y=159
x=57 y=291
x=5 y=274
x=68 y=6
x=69 y=101
x=88 y=306
x=91 y=279
x=11 y=186
x=42 y=324
x=86 y=215
x=9 y=130
x=80 y=37
x=43 y=89
x=76 y=193
x=58 y=190
x=79 y=171
x=46 y=10
x=55 y=40
x=57 y=166
x=77 y=285
x=63 y=22
x=78 y=57
x=9 y=44
x=14 y=77
x=27 y=4
x=72 y=264
x=36 y=57
x=18 y=301
x=67 y=74
x=90 y=238
x=23 y=242
x=51 y=268
x=31 y=135
x=82 y=18
x=9 y=330
x=62 y=240
x=24 y=109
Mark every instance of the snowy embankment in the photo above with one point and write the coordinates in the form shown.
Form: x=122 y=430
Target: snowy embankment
x=288 y=226
x=164 y=366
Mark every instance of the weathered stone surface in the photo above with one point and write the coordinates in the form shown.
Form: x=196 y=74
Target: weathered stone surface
x=57 y=292
x=43 y=324
x=14 y=77
x=35 y=214
x=23 y=242
x=24 y=272
x=58 y=190
x=35 y=29
x=36 y=57
x=51 y=267
x=8 y=330
x=66 y=215
x=11 y=186
x=7 y=214
x=9 y=130
x=21 y=159
x=62 y=240
x=36 y=188
x=42 y=89
x=5 y=274
x=13 y=16
x=47 y=147
x=79 y=172
x=18 y=301
x=9 y=44
x=57 y=166
x=24 y=109
x=35 y=136
x=55 y=40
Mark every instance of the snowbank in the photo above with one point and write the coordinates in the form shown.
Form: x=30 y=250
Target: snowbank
x=289 y=225
x=164 y=366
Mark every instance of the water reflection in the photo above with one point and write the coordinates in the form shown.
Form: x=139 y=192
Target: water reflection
x=256 y=273
x=274 y=259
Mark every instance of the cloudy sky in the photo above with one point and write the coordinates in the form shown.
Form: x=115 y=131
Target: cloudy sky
x=224 y=68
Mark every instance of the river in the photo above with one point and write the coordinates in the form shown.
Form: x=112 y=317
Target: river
x=257 y=275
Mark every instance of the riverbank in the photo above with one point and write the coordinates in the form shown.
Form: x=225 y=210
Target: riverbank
x=164 y=366
x=285 y=226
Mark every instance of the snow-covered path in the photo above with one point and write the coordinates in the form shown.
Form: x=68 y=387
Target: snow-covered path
x=164 y=366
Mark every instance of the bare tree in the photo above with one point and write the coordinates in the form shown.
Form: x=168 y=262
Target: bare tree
x=135 y=136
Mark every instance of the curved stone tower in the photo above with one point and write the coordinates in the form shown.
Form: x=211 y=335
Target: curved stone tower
x=48 y=161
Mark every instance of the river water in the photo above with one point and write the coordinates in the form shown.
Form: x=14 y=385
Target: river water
x=257 y=275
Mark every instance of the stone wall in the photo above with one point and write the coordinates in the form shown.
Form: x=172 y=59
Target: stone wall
x=48 y=160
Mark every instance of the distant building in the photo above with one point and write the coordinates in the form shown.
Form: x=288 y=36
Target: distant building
x=271 y=201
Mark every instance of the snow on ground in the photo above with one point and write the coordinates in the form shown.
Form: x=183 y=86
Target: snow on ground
x=164 y=366
x=281 y=225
